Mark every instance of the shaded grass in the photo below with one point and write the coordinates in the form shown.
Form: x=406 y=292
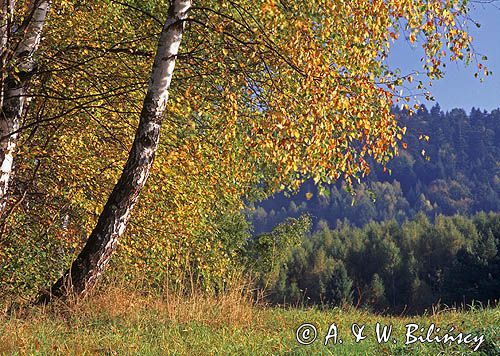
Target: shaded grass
x=124 y=322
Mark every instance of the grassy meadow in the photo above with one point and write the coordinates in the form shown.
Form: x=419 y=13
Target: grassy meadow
x=120 y=322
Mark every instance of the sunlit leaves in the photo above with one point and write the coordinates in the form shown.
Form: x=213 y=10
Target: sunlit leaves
x=265 y=95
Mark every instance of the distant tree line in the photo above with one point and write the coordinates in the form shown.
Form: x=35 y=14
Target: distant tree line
x=451 y=166
x=385 y=266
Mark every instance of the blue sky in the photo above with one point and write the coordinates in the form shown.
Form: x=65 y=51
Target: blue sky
x=459 y=87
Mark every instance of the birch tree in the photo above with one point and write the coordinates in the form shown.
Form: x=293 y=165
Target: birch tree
x=112 y=222
x=18 y=46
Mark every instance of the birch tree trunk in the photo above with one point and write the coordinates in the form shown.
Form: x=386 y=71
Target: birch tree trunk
x=17 y=55
x=102 y=242
x=7 y=14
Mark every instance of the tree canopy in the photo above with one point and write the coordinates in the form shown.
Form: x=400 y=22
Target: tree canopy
x=264 y=96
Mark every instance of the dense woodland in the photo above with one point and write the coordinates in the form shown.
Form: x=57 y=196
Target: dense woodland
x=451 y=166
x=401 y=240
x=386 y=267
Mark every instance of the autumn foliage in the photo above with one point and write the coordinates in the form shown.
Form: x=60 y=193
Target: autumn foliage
x=265 y=95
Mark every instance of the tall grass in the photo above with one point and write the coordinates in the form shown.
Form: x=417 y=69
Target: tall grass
x=126 y=318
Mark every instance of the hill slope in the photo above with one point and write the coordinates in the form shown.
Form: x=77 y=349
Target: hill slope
x=457 y=170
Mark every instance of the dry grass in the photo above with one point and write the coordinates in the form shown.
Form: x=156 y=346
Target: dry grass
x=233 y=307
x=29 y=329
x=126 y=304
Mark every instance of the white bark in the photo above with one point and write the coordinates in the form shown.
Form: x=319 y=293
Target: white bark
x=15 y=87
x=102 y=242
